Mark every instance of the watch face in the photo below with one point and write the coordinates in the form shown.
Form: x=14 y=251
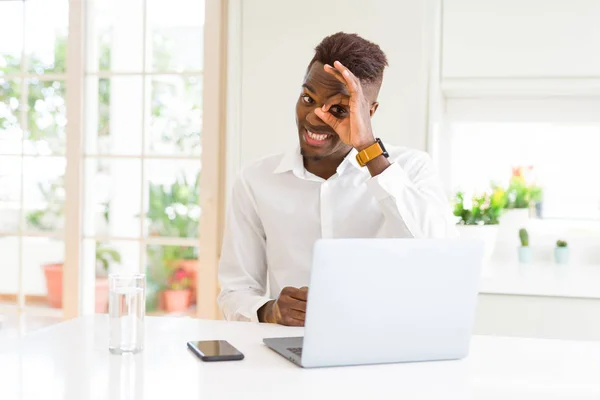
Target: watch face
x=385 y=153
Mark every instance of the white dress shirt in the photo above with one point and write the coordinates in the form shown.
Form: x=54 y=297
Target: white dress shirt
x=278 y=210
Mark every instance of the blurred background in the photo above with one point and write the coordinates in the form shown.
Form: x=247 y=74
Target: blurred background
x=123 y=124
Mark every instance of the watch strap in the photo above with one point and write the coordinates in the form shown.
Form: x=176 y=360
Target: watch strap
x=373 y=151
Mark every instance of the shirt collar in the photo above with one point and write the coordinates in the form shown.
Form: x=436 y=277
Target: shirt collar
x=292 y=161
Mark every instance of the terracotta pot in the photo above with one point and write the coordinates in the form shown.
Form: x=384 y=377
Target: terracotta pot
x=190 y=266
x=101 y=295
x=177 y=300
x=54 y=283
x=54 y=286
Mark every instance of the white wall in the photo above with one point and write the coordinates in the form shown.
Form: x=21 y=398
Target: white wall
x=277 y=42
x=521 y=38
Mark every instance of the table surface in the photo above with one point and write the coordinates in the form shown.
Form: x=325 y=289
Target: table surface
x=70 y=361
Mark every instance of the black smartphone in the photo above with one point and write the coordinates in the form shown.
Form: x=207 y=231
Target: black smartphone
x=215 y=350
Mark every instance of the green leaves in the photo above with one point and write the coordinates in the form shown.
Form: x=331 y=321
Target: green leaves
x=480 y=209
x=174 y=210
x=520 y=194
x=106 y=256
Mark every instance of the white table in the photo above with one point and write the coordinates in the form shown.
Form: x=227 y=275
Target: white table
x=70 y=361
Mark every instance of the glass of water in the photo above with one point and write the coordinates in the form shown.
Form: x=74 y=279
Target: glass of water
x=126 y=310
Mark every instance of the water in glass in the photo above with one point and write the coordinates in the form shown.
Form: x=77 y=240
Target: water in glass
x=126 y=313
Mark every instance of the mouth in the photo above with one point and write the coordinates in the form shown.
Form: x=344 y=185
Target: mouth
x=316 y=138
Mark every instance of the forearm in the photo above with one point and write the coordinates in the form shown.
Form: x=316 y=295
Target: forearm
x=412 y=209
x=377 y=165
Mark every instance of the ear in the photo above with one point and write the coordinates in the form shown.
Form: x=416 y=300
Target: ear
x=374 y=107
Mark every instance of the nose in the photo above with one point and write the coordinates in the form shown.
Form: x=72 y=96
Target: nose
x=312 y=118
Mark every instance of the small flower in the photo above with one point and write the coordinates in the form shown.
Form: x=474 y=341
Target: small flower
x=181 y=209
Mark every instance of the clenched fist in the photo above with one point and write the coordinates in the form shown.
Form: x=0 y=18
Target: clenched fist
x=289 y=308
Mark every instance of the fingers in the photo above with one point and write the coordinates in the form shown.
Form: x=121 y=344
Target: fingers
x=337 y=99
x=297 y=305
x=289 y=321
x=328 y=118
x=337 y=74
x=292 y=306
x=300 y=294
x=351 y=81
x=295 y=314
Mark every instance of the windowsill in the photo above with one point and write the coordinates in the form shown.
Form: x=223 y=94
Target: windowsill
x=542 y=279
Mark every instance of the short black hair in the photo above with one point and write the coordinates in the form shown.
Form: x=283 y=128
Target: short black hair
x=365 y=59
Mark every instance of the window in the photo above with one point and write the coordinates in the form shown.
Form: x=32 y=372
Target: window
x=559 y=138
x=143 y=116
x=141 y=155
x=32 y=154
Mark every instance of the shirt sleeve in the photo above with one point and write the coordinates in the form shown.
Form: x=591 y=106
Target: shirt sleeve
x=413 y=201
x=243 y=266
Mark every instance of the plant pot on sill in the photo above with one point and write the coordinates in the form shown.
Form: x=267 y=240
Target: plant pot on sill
x=561 y=255
x=54 y=282
x=54 y=286
x=525 y=254
x=177 y=300
x=485 y=233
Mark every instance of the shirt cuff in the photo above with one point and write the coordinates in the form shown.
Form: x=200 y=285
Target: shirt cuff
x=253 y=313
x=388 y=183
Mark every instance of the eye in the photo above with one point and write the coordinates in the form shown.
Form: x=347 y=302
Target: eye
x=338 y=111
x=306 y=99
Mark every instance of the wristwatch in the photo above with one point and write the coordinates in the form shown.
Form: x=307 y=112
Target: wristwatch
x=373 y=151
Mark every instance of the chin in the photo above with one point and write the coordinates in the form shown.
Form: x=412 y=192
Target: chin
x=312 y=155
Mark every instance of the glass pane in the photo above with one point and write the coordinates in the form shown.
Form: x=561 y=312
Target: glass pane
x=43 y=260
x=46 y=35
x=176 y=119
x=110 y=257
x=115 y=32
x=569 y=189
x=11 y=132
x=176 y=30
x=172 y=200
x=10 y=193
x=44 y=193
x=171 y=269
x=46 y=118
x=114 y=115
x=11 y=27
x=112 y=196
x=9 y=270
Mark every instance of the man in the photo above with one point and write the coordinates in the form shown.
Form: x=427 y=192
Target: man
x=282 y=204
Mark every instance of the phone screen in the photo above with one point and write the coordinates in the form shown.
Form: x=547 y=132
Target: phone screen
x=215 y=349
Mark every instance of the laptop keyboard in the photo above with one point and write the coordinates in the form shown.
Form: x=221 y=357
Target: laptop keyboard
x=296 y=350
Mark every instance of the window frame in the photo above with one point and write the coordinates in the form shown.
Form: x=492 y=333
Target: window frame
x=79 y=282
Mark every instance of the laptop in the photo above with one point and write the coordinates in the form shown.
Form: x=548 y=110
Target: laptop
x=374 y=301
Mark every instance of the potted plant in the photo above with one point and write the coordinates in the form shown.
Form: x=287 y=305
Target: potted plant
x=521 y=197
x=105 y=256
x=178 y=293
x=525 y=255
x=561 y=252
x=49 y=218
x=173 y=211
x=478 y=217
